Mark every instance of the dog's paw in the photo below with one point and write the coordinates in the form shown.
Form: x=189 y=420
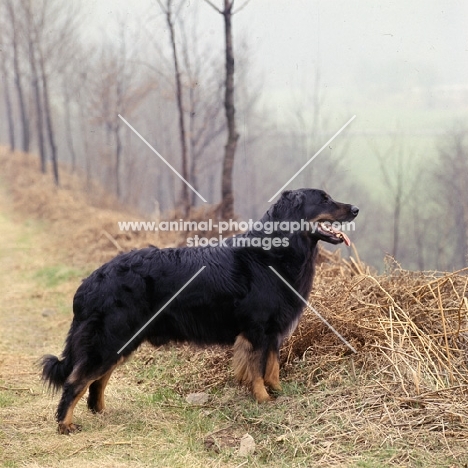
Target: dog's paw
x=68 y=429
x=275 y=387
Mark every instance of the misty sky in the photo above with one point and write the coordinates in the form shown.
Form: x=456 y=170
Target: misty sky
x=356 y=44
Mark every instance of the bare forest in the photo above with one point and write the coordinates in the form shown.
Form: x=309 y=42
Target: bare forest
x=70 y=96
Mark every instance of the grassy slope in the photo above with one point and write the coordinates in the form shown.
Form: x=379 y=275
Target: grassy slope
x=336 y=415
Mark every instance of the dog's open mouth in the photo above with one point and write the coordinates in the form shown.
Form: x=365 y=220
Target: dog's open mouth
x=332 y=234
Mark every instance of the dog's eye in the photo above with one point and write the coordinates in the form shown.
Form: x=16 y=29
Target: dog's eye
x=325 y=198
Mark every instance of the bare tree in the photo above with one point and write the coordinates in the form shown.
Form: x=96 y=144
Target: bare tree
x=449 y=178
x=49 y=28
x=115 y=89
x=309 y=126
x=429 y=243
x=227 y=195
x=108 y=89
x=13 y=29
x=398 y=179
x=68 y=121
x=167 y=9
x=30 y=33
x=203 y=70
x=48 y=115
x=8 y=103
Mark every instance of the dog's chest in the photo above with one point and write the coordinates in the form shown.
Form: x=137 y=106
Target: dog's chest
x=291 y=328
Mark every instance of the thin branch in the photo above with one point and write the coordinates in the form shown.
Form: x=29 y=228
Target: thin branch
x=241 y=7
x=214 y=6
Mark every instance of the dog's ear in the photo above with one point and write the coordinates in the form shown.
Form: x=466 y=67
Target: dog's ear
x=296 y=198
x=288 y=204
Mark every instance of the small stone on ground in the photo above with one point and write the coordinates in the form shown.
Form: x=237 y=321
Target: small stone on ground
x=197 y=398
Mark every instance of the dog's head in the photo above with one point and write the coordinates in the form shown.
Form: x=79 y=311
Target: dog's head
x=319 y=209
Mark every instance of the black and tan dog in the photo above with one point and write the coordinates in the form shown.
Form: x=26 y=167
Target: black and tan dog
x=236 y=299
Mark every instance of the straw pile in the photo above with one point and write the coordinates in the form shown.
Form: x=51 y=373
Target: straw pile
x=415 y=323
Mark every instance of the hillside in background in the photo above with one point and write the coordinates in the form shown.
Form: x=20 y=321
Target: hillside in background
x=83 y=217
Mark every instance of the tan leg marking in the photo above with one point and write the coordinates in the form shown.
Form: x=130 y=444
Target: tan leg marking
x=272 y=372
x=100 y=386
x=242 y=360
x=259 y=391
x=66 y=426
x=246 y=363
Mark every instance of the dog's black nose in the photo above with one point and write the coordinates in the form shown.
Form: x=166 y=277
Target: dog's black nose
x=354 y=210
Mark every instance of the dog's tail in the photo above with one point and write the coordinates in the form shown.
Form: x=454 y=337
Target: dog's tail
x=55 y=371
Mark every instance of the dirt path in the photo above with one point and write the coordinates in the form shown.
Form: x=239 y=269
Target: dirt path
x=36 y=287
x=33 y=321
x=22 y=327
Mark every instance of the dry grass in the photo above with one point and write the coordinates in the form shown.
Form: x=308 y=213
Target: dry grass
x=84 y=217
x=400 y=401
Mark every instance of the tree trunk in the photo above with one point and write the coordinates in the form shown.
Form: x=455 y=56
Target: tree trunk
x=49 y=124
x=25 y=139
x=116 y=129
x=185 y=201
x=38 y=103
x=459 y=202
x=8 y=107
x=118 y=160
x=418 y=232
x=68 y=128
x=193 y=159
x=396 y=224
x=227 y=196
x=460 y=252
x=85 y=139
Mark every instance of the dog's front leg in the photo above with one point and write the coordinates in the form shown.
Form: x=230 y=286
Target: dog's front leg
x=272 y=371
x=248 y=370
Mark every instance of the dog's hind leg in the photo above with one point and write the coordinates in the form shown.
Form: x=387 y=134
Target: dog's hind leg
x=248 y=368
x=96 y=390
x=72 y=392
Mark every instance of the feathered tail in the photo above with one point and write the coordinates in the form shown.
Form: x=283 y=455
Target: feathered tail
x=55 y=371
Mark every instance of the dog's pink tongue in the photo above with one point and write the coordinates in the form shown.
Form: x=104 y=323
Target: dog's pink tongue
x=346 y=239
